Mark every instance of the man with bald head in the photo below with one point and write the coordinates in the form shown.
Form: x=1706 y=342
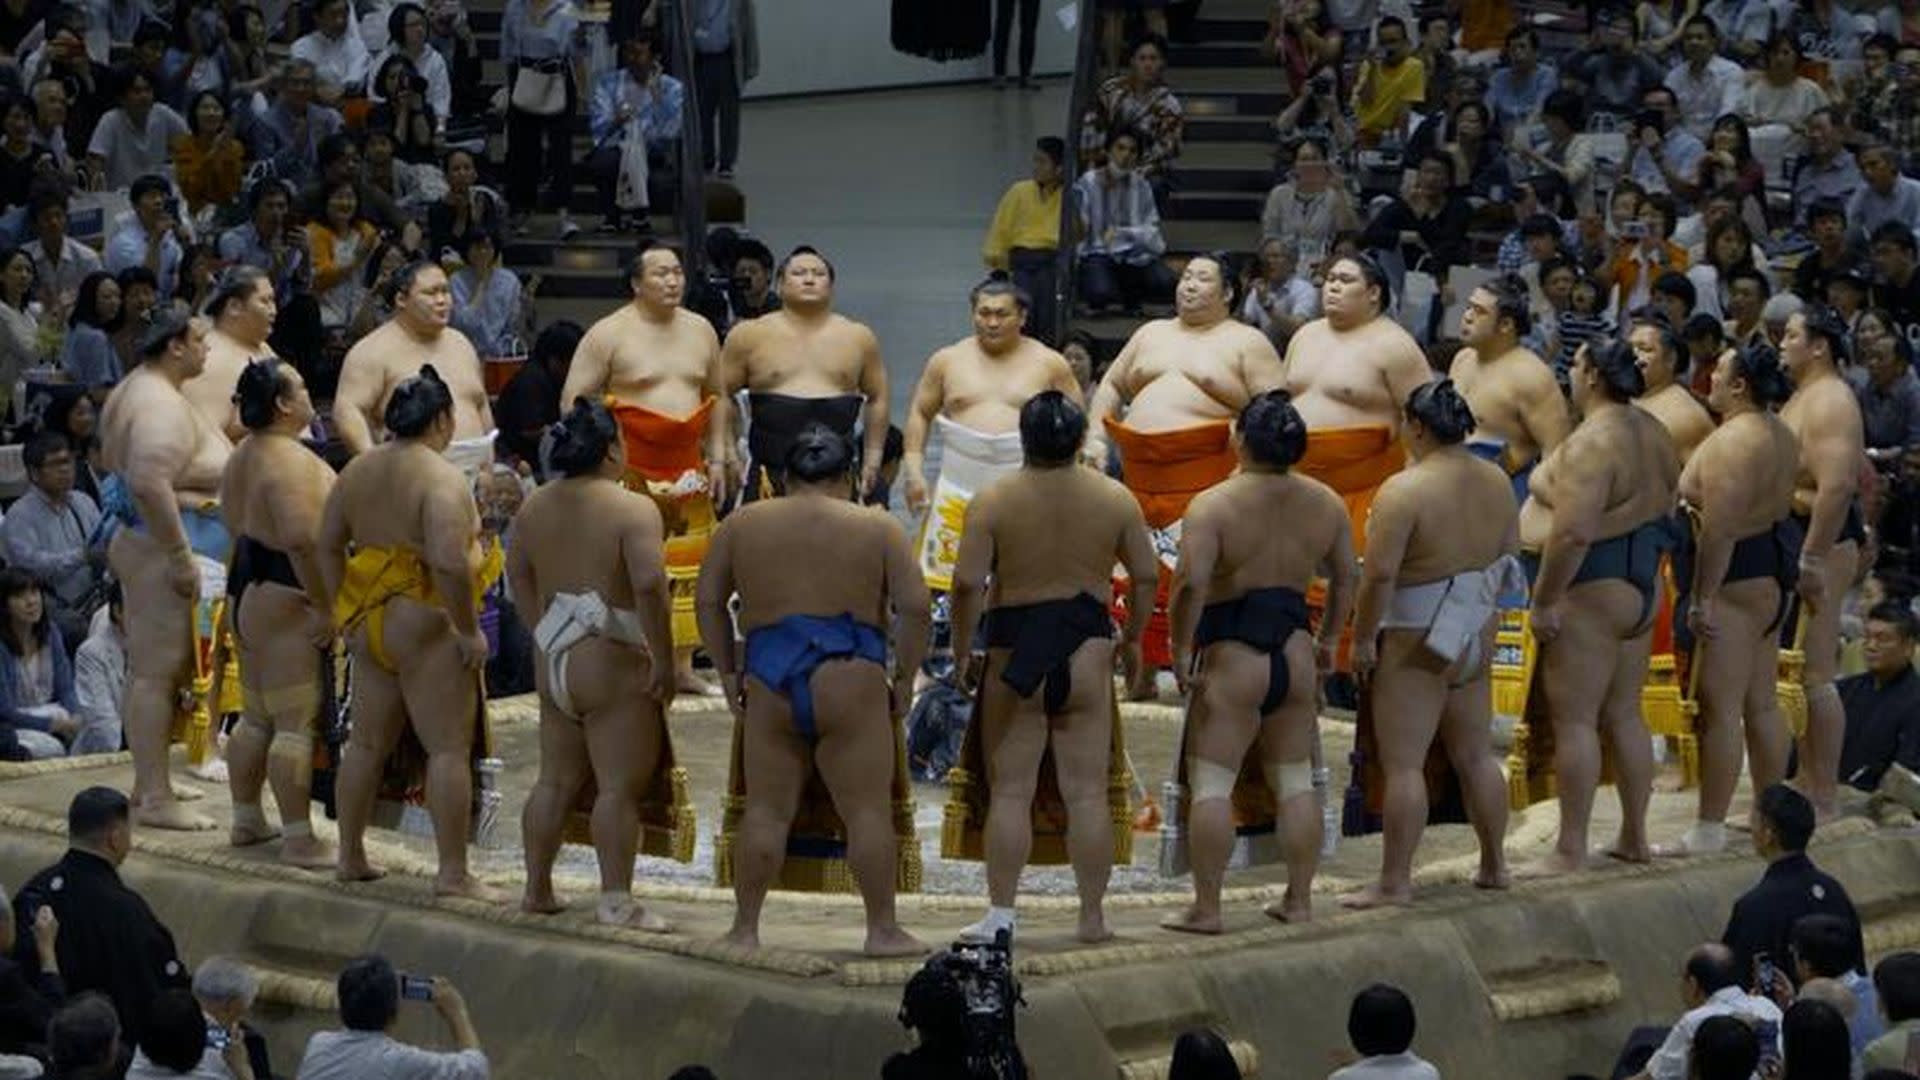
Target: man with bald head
x=1519 y=413
x=658 y=365
x=971 y=394
x=167 y=459
x=1711 y=984
x=418 y=334
x=806 y=364
x=1181 y=381
x=1350 y=372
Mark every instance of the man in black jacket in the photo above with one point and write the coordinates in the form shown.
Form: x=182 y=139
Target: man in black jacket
x=110 y=940
x=27 y=1002
x=1762 y=921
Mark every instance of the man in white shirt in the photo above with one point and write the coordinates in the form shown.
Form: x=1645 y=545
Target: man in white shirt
x=1380 y=1025
x=60 y=263
x=1884 y=196
x=1665 y=154
x=100 y=678
x=1705 y=84
x=135 y=139
x=148 y=238
x=370 y=995
x=335 y=50
x=1712 y=984
x=1745 y=25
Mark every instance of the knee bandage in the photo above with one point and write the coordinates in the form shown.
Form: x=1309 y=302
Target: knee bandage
x=1289 y=778
x=1210 y=781
x=1824 y=694
x=292 y=747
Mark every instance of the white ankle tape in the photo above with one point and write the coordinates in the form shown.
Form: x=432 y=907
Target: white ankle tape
x=297 y=830
x=1706 y=837
x=249 y=814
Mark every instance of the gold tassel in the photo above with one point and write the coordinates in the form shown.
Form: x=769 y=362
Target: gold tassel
x=1790 y=689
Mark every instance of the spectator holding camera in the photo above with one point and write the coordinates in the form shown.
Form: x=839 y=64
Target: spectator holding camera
x=28 y=1001
x=151 y=237
x=342 y=241
x=369 y=991
x=1302 y=42
x=182 y=1041
x=1888 y=390
x=404 y=116
x=339 y=57
x=208 y=161
x=271 y=241
x=407 y=35
x=1390 y=84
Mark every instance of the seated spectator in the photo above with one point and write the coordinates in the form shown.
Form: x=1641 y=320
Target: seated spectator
x=27 y=1003
x=407 y=37
x=199 y=272
x=1120 y=257
x=133 y=140
x=1663 y=155
x=1643 y=250
x=640 y=100
x=1882 y=703
x=87 y=82
x=1896 y=981
x=60 y=263
x=1614 y=72
x=1552 y=304
x=1550 y=218
x=67 y=410
x=22 y=159
x=1884 y=195
x=376 y=303
x=488 y=304
x=245 y=66
x=340 y=164
x=1729 y=247
x=87 y=355
x=467 y=208
x=1141 y=104
x=1820 y=951
x=752 y=294
x=225 y=989
x=1433 y=120
x=181 y=1040
x=1279 y=299
x=1585 y=322
x=1729 y=165
x=1725 y=1048
x=1896 y=289
x=1813 y=1042
x=1562 y=147
x=1302 y=41
x=1745 y=26
x=1311 y=206
x=1712 y=983
x=1761 y=923
x=100 y=678
x=208 y=161
x=1316 y=114
x=1776 y=313
x=290 y=133
x=151 y=237
x=270 y=240
x=19 y=328
x=412 y=186
x=1832 y=254
x=403 y=113
x=369 y=991
x=341 y=241
x=1705 y=339
x=1747 y=298
x=1828 y=32
x=1899 y=125
x=1827 y=171
x=1201 y=1054
x=46 y=532
x=36 y=670
x=83 y=1040
x=1389 y=85
x=1435 y=50
x=1673 y=297
x=1779 y=96
x=1427 y=225
x=110 y=940
x=1705 y=85
x=1518 y=89
x=139 y=294
x=530 y=402
x=1381 y=1024
x=1479 y=160
x=340 y=59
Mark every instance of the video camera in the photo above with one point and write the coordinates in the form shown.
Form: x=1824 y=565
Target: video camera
x=967 y=995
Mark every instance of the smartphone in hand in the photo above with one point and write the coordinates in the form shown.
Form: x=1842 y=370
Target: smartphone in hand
x=416 y=988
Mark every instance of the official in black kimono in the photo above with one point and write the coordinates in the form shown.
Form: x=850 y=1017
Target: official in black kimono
x=110 y=940
x=1763 y=917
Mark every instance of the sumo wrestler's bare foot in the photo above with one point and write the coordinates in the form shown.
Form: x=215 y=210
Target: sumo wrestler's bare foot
x=1626 y=852
x=1376 y=896
x=745 y=937
x=1194 y=921
x=357 y=868
x=1092 y=929
x=541 y=902
x=1143 y=686
x=1493 y=877
x=307 y=852
x=248 y=835
x=169 y=814
x=1554 y=864
x=892 y=941
x=467 y=887
x=189 y=793
x=213 y=771
x=629 y=915
x=1291 y=908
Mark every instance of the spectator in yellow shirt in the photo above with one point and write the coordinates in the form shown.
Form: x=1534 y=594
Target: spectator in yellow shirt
x=1024 y=239
x=1390 y=83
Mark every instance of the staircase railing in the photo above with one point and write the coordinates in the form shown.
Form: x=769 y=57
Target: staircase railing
x=676 y=26
x=1086 y=74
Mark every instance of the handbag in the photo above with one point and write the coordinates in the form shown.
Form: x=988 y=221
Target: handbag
x=542 y=93
x=630 y=183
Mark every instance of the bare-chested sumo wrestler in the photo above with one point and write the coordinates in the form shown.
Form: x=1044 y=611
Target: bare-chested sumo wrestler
x=813 y=689
x=804 y=364
x=971 y=393
x=1181 y=382
x=1245 y=653
x=167 y=459
x=1825 y=416
x=1734 y=572
x=1438 y=558
x=587 y=555
x=660 y=365
x=417 y=335
x=1600 y=517
x=399 y=548
x=1663 y=357
x=274 y=494
x=242 y=308
x=1519 y=414
x=1039 y=549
